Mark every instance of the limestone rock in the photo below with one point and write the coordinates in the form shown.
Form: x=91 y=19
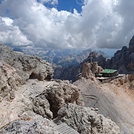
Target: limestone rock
x=55 y=96
x=86 y=120
x=26 y=66
x=89 y=70
x=9 y=80
x=41 y=106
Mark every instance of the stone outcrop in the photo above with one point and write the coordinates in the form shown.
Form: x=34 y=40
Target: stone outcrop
x=41 y=106
x=54 y=97
x=89 y=70
x=37 y=126
x=17 y=68
x=42 y=98
x=86 y=120
x=26 y=66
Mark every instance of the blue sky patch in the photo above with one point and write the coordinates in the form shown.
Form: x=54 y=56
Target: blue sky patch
x=69 y=5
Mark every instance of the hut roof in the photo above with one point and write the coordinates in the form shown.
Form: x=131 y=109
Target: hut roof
x=108 y=71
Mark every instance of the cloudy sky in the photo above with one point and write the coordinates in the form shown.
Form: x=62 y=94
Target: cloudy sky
x=67 y=23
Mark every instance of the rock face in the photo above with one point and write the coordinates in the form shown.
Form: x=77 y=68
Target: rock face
x=123 y=59
x=26 y=66
x=16 y=68
x=86 y=120
x=89 y=70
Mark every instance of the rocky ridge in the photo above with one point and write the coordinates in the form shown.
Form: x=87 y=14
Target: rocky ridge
x=30 y=100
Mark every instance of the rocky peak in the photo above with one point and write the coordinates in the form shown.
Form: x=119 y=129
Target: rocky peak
x=131 y=41
x=131 y=45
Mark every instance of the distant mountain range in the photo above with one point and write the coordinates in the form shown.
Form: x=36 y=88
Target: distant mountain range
x=68 y=63
x=62 y=57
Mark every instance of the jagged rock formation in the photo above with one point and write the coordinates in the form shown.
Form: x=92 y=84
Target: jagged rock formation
x=86 y=120
x=123 y=59
x=26 y=66
x=54 y=97
x=43 y=98
x=89 y=70
x=16 y=68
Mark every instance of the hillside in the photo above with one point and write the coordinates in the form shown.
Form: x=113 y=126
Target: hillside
x=114 y=99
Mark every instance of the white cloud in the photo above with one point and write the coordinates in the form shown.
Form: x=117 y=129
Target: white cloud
x=102 y=23
x=7 y=21
x=53 y=2
x=10 y=34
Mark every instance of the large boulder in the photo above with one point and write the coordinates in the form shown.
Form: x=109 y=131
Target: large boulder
x=86 y=120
